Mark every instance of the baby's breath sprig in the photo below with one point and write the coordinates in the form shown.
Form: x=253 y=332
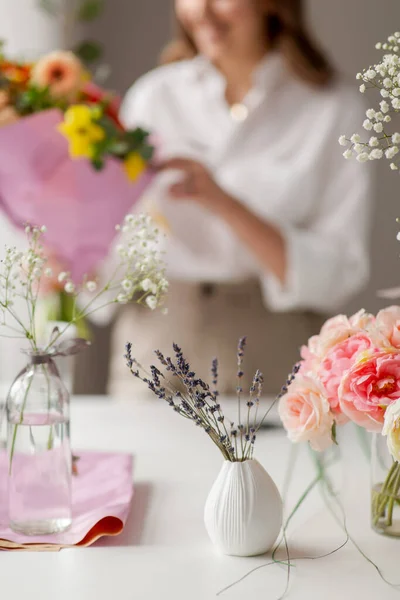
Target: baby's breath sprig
x=139 y=275
x=199 y=402
x=384 y=77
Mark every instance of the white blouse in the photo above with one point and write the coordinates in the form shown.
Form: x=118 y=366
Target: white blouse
x=278 y=154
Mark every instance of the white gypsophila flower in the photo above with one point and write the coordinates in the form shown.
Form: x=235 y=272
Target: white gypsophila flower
x=363 y=88
x=394 y=167
x=69 y=287
x=376 y=154
x=122 y=299
x=384 y=106
x=359 y=148
x=363 y=157
x=370 y=74
x=48 y=272
x=387 y=119
x=396 y=103
x=385 y=94
x=62 y=276
x=43 y=229
x=379 y=116
x=373 y=141
x=396 y=92
x=91 y=286
x=37 y=272
x=396 y=138
x=378 y=127
x=355 y=138
x=151 y=302
x=343 y=140
x=127 y=285
x=146 y=285
x=378 y=46
x=367 y=125
x=391 y=152
x=348 y=154
x=370 y=113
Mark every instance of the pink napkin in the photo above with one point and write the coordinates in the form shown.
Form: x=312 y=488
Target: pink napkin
x=101 y=494
x=41 y=185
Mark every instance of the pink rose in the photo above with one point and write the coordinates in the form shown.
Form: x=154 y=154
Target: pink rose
x=337 y=329
x=388 y=326
x=340 y=359
x=305 y=413
x=333 y=332
x=369 y=387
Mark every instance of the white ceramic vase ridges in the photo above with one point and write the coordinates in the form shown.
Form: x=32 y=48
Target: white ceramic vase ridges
x=243 y=512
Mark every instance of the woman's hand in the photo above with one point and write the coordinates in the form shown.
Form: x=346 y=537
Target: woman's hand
x=263 y=239
x=197 y=184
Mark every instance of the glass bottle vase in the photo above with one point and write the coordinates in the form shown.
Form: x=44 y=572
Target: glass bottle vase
x=385 y=498
x=39 y=452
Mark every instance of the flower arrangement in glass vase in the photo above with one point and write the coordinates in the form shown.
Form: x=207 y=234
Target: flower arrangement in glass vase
x=243 y=512
x=37 y=405
x=350 y=371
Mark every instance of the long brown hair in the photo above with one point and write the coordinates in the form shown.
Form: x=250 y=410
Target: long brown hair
x=285 y=30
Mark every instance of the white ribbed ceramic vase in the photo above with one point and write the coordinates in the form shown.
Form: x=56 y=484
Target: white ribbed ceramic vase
x=243 y=512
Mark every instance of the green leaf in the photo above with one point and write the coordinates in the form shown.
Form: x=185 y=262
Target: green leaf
x=146 y=152
x=98 y=163
x=119 y=148
x=89 y=51
x=334 y=434
x=90 y=10
x=137 y=136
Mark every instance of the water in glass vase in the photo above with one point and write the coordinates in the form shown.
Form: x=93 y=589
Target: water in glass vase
x=39 y=474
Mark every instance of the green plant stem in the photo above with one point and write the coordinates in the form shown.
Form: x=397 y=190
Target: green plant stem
x=20 y=423
x=384 y=499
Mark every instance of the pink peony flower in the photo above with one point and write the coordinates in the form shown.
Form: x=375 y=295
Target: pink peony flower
x=305 y=413
x=338 y=360
x=388 y=326
x=369 y=387
x=60 y=71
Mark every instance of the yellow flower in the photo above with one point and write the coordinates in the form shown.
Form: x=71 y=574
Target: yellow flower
x=134 y=165
x=81 y=132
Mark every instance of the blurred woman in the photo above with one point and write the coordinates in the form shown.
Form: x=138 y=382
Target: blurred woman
x=267 y=223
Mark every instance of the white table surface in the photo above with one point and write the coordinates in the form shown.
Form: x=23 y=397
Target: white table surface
x=165 y=552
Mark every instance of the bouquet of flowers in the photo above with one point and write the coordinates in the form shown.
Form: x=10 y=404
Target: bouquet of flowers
x=351 y=372
x=51 y=114
x=90 y=116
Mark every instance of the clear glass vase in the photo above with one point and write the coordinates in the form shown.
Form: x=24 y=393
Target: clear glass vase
x=39 y=452
x=385 y=499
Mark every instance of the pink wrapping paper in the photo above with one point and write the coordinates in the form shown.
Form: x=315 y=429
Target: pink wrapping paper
x=101 y=495
x=41 y=185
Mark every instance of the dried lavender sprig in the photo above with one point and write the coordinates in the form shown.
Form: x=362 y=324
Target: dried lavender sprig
x=184 y=409
x=182 y=371
x=214 y=373
x=239 y=389
x=284 y=390
x=200 y=405
x=255 y=385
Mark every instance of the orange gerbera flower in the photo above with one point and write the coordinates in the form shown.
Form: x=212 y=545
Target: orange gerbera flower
x=61 y=71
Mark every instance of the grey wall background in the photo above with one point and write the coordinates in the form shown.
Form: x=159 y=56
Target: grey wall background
x=134 y=31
